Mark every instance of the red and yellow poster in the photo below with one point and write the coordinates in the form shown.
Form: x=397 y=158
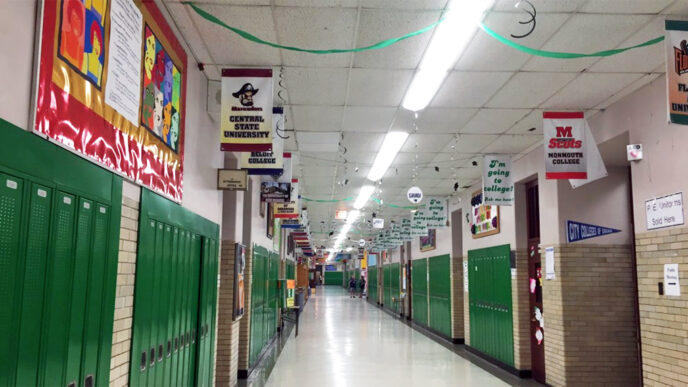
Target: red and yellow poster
x=677 y=70
x=111 y=86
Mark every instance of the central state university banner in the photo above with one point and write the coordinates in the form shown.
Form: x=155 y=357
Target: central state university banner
x=246 y=111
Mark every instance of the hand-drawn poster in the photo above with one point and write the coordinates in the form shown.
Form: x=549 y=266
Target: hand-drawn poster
x=74 y=104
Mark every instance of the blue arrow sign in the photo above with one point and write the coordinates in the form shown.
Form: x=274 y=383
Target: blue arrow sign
x=576 y=231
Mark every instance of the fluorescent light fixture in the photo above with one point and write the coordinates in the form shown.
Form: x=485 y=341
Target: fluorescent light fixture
x=353 y=215
x=386 y=155
x=446 y=45
x=363 y=196
x=349 y=249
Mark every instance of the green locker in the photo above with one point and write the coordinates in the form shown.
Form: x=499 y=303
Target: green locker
x=176 y=285
x=439 y=294
x=55 y=258
x=335 y=278
x=394 y=286
x=419 y=287
x=372 y=284
x=490 y=307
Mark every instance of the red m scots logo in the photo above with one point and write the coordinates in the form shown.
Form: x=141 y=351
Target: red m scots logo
x=564 y=131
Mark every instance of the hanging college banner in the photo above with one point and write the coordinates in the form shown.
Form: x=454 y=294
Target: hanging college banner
x=435 y=213
x=565 y=145
x=677 y=70
x=246 y=112
x=273 y=192
x=289 y=210
x=267 y=162
x=419 y=225
x=395 y=236
x=576 y=231
x=498 y=186
x=595 y=164
x=405 y=232
x=111 y=86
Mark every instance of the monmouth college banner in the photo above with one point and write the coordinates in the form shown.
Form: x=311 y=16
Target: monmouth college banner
x=565 y=144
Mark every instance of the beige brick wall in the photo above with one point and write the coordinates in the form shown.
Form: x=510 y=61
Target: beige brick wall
x=245 y=322
x=124 y=298
x=520 y=301
x=227 y=346
x=663 y=319
x=457 y=297
x=589 y=312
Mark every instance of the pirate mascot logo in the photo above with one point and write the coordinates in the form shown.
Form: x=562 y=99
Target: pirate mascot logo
x=245 y=94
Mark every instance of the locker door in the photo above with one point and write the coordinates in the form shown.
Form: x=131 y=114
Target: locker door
x=163 y=306
x=142 y=306
x=11 y=200
x=170 y=354
x=80 y=266
x=33 y=284
x=94 y=300
x=193 y=321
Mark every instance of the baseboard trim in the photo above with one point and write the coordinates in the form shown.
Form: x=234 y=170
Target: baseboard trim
x=512 y=370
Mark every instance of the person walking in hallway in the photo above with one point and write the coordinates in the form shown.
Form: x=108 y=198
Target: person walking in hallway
x=361 y=286
x=352 y=287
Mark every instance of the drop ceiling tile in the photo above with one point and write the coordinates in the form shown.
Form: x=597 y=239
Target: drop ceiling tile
x=586 y=33
x=315 y=28
x=485 y=53
x=511 y=144
x=184 y=22
x=404 y=4
x=317 y=118
x=226 y=47
x=445 y=172
x=370 y=142
x=529 y=90
x=625 y=6
x=375 y=87
x=406 y=158
x=542 y=6
x=444 y=120
x=316 y=86
x=290 y=143
x=532 y=120
x=318 y=141
x=641 y=60
x=318 y=171
x=493 y=121
x=368 y=119
x=317 y=3
x=466 y=174
x=469 y=89
x=678 y=8
x=471 y=143
x=424 y=143
x=589 y=90
x=642 y=81
x=378 y=24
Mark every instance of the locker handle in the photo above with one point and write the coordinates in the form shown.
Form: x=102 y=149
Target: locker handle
x=176 y=344
x=88 y=382
x=72 y=383
x=186 y=339
x=193 y=336
x=160 y=353
x=169 y=348
x=152 y=356
x=143 y=361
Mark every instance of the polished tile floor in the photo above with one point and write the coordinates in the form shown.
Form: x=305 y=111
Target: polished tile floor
x=349 y=342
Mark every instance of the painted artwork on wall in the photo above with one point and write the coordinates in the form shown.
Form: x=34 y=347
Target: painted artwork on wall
x=81 y=38
x=484 y=219
x=428 y=242
x=161 y=87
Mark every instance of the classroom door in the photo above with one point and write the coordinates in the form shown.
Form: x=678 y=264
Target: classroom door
x=537 y=346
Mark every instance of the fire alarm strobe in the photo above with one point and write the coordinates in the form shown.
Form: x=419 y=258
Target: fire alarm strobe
x=634 y=152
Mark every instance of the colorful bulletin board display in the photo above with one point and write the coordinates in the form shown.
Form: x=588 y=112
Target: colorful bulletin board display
x=484 y=219
x=428 y=242
x=111 y=85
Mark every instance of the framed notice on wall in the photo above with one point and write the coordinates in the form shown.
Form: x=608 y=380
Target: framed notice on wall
x=239 y=266
x=111 y=85
x=484 y=219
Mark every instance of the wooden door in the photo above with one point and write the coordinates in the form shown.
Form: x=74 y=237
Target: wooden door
x=535 y=278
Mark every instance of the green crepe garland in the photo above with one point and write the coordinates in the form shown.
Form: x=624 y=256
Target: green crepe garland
x=376 y=200
x=388 y=42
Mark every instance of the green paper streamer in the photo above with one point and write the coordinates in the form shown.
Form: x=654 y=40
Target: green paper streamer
x=563 y=55
x=326 y=200
x=253 y=38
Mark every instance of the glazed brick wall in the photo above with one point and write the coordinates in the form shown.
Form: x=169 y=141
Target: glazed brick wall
x=520 y=303
x=245 y=322
x=227 y=346
x=457 y=297
x=124 y=298
x=663 y=319
x=590 y=324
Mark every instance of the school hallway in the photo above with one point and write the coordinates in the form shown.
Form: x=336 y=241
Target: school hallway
x=350 y=342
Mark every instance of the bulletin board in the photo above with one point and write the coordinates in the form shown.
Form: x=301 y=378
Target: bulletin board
x=111 y=86
x=484 y=219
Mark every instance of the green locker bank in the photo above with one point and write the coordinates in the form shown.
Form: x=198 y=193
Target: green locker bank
x=59 y=238
x=490 y=307
x=431 y=293
x=264 y=300
x=175 y=296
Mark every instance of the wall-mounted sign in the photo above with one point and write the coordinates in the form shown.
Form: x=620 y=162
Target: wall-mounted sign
x=378 y=223
x=577 y=231
x=232 y=179
x=665 y=211
x=465 y=276
x=672 y=286
x=484 y=219
x=340 y=214
x=565 y=148
x=677 y=70
x=361 y=242
x=414 y=195
x=286 y=210
x=549 y=263
x=246 y=110
x=272 y=192
x=634 y=152
x=498 y=186
x=436 y=212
